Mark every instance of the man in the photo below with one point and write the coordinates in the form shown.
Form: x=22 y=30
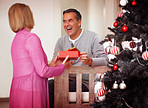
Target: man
x=92 y=53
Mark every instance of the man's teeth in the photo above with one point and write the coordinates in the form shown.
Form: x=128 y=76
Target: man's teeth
x=69 y=28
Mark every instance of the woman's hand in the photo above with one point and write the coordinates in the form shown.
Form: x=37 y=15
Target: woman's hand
x=67 y=63
x=58 y=61
x=65 y=60
x=55 y=62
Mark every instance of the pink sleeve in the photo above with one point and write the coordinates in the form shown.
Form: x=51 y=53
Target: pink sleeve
x=39 y=59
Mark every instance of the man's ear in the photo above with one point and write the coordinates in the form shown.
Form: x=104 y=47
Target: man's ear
x=79 y=23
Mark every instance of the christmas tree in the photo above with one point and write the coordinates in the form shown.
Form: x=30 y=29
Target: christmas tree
x=127 y=46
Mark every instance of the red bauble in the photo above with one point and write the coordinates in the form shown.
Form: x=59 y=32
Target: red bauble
x=115 y=24
x=115 y=67
x=124 y=28
x=134 y=3
x=132 y=44
x=145 y=55
x=100 y=92
x=110 y=39
x=115 y=50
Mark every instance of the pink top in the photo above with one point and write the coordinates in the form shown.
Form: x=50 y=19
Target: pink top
x=29 y=88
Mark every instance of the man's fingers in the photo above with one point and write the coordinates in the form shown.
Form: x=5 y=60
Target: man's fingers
x=83 y=53
x=84 y=56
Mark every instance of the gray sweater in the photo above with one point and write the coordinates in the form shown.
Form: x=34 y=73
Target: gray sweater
x=89 y=43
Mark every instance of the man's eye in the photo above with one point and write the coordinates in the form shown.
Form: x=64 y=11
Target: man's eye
x=70 y=20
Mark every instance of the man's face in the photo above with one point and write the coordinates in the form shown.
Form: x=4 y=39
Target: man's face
x=71 y=25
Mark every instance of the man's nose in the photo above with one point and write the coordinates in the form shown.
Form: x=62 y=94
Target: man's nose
x=66 y=24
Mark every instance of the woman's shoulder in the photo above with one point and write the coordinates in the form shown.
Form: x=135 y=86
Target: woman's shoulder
x=25 y=32
x=33 y=37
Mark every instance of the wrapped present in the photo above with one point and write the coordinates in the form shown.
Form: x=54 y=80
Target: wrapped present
x=73 y=49
x=73 y=53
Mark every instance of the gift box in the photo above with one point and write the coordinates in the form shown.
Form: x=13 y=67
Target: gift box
x=73 y=53
x=73 y=49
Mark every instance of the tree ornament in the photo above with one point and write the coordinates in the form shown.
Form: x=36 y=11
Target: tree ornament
x=124 y=11
x=121 y=14
x=109 y=90
x=98 y=85
x=132 y=44
x=115 y=85
x=125 y=44
x=115 y=24
x=115 y=67
x=107 y=50
x=145 y=55
x=100 y=92
x=102 y=76
x=124 y=28
x=122 y=85
x=104 y=87
x=123 y=2
x=98 y=76
x=101 y=98
x=115 y=50
x=111 y=56
x=134 y=3
x=110 y=39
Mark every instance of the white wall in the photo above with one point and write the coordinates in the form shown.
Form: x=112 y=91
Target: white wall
x=110 y=14
x=97 y=15
x=47 y=16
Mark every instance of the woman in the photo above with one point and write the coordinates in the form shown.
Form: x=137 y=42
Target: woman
x=29 y=88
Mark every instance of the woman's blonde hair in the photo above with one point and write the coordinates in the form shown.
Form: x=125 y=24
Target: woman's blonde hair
x=20 y=16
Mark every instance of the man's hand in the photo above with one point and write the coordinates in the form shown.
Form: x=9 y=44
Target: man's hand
x=85 y=59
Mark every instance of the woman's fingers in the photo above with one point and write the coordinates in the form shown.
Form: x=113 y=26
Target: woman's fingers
x=65 y=59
